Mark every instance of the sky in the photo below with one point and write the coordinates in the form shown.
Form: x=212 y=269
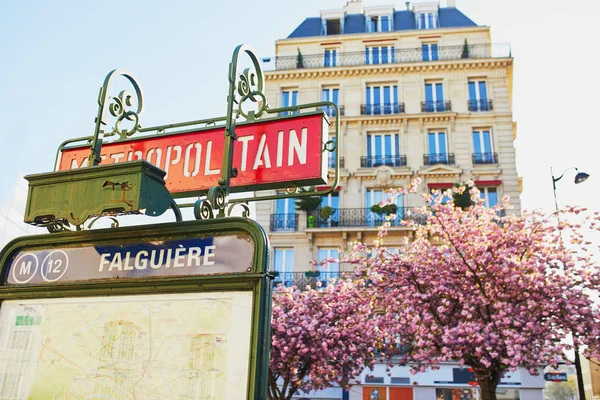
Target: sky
x=54 y=57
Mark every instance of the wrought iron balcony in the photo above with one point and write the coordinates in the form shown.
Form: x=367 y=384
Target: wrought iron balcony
x=436 y=106
x=284 y=222
x=331 y=163
x=330 y=111
x=303 y=279
x=485 y=158
x=397 y=56
x=438 y=158
x=382 y=109
x=377 y=161
x=362 y=217
x=480 y=105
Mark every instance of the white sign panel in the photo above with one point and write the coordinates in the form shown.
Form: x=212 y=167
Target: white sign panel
x=171 y=346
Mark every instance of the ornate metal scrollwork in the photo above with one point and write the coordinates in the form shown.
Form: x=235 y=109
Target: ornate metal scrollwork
x=119 y=107
x=245 y=208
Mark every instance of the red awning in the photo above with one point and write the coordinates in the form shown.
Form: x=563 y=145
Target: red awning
x=488 y=183
x=324 y=188
x=443 y=185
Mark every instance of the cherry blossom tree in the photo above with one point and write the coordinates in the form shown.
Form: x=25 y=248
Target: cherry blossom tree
x=492 y=293
x=321 y=338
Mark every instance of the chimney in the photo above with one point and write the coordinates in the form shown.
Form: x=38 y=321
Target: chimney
x=354 y=7
x=407 y=5
x=451 y=3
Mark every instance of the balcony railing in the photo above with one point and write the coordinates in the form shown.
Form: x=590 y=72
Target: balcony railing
x=377 y=161
x=284 y=222
x=330 y=111
x=363 y=217
x=382 y=109
x=480 y=105
x=398 y=56
x=436 y=106
x=331 y=163
x=302 y=280
x=438 y=158
x=485 y=158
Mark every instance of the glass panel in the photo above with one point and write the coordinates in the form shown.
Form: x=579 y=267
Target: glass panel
x=482 y=91
x=327 y=58
x=442 y=142
x=425 y=52
x=393 y=50
x=430 y=21
x=367 y=53
x=432 y=143
x=428 y=97
x=289 y=261
x=386 y=100
x=395 y=100
x=439 y=93
x=280 y=206
x=335 y=96
x=285 y=99
x=294 y=98
x=325 y=95
x=375 y=51
x=385 y=24
x=422 y=21
x=384 y=55
x=492 y=197
x=487 y=144
x=377 y=100
x=279 y=266
x=378 y=146
x=387 y=149
x=477 y=143
x=434 y=52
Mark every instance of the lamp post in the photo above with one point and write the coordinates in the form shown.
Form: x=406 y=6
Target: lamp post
x=580 y=177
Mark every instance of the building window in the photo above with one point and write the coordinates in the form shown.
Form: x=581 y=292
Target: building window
x=489 y=195
x=382 y=100
x=437 y=148
x=283 y=265
x=329 y=270
x=382 y=149
x=478 y=100
x=429 y=51
x=483 y=152
x=434 y=97
x=376 y=196
x=380 y=55
x=331 y=27
x=332 y=95
x=289 y=98
x=285 y=217
x=330 y=58
x=379 y=23
x=427 y=20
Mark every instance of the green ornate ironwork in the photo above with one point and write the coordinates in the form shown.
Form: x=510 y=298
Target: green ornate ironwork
x=245 y=87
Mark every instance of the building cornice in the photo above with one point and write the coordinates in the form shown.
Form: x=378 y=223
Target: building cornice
x=382 y=69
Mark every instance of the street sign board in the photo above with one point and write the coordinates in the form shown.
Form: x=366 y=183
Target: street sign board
x=138 y=259
x=270 y=153
x=555 y=376
x=179 y=310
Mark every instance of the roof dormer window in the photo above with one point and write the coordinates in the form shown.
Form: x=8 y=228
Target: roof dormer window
x=332 y=22
x=379 y=23
x=379 y=19
x=427 y=20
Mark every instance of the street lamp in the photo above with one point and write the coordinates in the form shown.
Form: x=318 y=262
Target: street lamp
x=580 y=177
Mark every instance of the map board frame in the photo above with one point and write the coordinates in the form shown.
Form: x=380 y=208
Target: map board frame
x=255 y=279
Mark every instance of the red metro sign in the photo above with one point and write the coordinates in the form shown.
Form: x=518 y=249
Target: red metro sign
x=268 y=154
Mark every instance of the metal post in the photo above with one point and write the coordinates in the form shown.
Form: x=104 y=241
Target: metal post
x=576 y=361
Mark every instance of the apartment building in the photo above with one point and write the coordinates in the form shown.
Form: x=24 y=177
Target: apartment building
x=422 y=92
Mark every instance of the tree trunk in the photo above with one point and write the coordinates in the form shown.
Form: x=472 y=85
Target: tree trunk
x=488 y=385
